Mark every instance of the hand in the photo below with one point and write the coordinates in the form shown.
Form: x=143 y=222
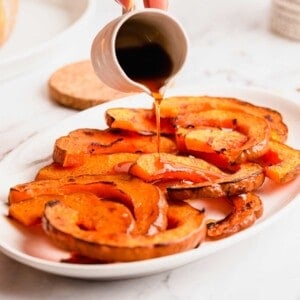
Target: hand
x=162 y=4
x=129 y=4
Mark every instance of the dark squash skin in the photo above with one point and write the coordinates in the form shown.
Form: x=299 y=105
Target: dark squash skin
x=246 y=209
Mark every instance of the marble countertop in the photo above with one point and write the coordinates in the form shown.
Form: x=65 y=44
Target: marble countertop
x=230 y=45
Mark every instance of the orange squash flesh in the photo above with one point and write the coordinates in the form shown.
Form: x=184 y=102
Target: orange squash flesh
x=137 y=120
x=208 y=139
x=163 y=166
x=255 y=128
x=109 y=216
x=185 y=105
x=29 y=212
x=217 y=159
x=186 y=230
x=247 y=208
x=98 y=164
x=71 y=150
x=282 y=163
x=145 y=200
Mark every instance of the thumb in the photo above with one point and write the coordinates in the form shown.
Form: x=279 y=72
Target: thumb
x=126 y=4
x=162 y=4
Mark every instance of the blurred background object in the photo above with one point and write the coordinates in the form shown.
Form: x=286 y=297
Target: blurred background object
x=8 y=15
x=285 y=18
x=44 y=30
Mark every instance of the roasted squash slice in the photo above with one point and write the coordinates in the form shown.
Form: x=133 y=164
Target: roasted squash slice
x=163 y=166
x=186 y=230
x=109 y=216
x=174 y=106
x=247 y=208
x=208 y=139
x=98 y=164
x=138 y=120
x=71 y=150
x=145 y=200
x=248 y=178
x=282 y=162
x=255 y=128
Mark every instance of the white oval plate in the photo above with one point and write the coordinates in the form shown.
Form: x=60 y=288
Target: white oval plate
x=40 y=27
x=32 y=248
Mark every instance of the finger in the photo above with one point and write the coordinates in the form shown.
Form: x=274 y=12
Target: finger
x=162 y=4
x=126 y=4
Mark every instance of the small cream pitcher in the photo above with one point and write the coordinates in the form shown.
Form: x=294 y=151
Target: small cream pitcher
x=137 y=28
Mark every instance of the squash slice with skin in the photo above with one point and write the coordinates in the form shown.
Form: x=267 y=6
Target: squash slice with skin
x=281 y=162
x=71 y=150
x=255 y=128
x=98 y=164
x=94 y=212
x=186 y=230
x=208 y=139
x=248 y=178
x=163 y=166
x=247 y=208
x=146 y=201
x=138 y=120
x=185 y=105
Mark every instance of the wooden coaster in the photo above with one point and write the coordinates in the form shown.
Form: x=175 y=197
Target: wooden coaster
x=77 y=86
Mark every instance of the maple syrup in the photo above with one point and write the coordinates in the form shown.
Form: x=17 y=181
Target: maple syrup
x=150 y=65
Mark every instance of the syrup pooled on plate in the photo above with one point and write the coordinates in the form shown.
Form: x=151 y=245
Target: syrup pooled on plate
x=150 y=65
